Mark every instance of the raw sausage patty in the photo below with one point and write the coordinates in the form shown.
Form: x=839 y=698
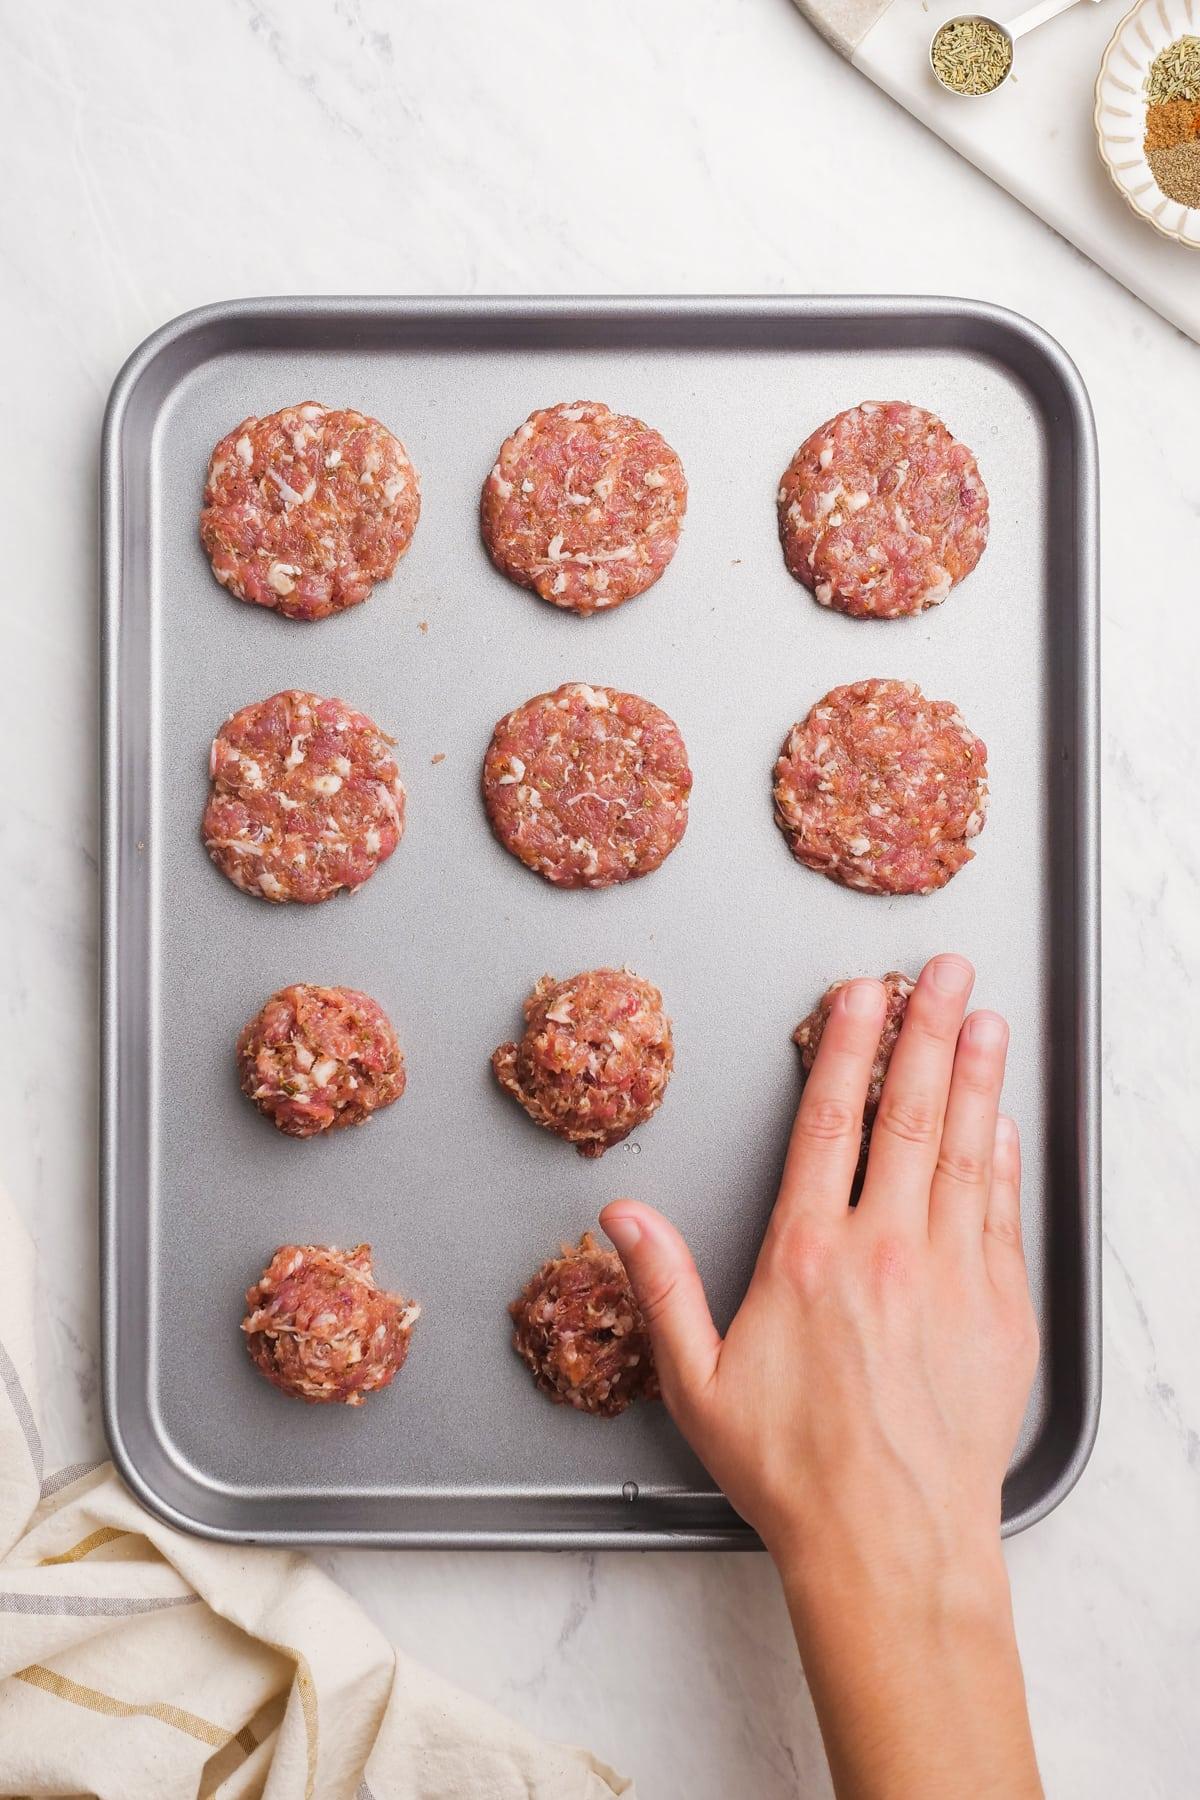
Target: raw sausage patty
x=579 y=1332
x=317 y=1058
x=584 y=506
x=305 y=799
x=882 y=789
x=319 y=1328
x=588 y=786
x=881 y=511
x=808 y=1034
x=595 y=1059
x=305 y=510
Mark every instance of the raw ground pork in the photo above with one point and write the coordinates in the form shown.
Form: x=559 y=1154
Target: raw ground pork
x=305 y=510
x=808 y=1034
x=584 y=506
x=318 y=1058
x=306 y=798
x=588 y=786
x=881 y=511
x=881 y=789
x=595 y=1058
x=578 y=1330
x=319 y=1328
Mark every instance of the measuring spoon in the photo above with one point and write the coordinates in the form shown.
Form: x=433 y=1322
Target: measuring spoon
x=1029 y=20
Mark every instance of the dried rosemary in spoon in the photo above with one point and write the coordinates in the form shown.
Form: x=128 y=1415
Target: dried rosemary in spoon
x=974 y=54
x=971 y=55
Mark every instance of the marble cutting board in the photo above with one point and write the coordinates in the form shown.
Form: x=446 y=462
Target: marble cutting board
x=1034 y=136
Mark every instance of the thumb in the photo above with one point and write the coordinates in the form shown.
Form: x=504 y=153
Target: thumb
x=667 y=1286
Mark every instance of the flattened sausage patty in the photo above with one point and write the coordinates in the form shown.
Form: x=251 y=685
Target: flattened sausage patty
x=305 y=510
x=588 y=786
x=305 y=799
x=881 y=511
x=584 y=506
x=882 y=789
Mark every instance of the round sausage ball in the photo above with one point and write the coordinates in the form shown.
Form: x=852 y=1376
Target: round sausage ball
x=318 y=1058
x=881 y=789
x=584 y=506
x=881 y=511
x=595 y=1058
x=305 y=510
x=319 y=1328
x=587 y=786
x=808 y=1034
x=306 y=798
x=579 y=1332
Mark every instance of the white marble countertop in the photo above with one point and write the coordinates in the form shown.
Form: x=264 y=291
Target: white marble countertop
x=158 y=157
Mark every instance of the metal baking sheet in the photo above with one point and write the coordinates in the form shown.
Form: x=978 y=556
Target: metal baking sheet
x=459 y=1194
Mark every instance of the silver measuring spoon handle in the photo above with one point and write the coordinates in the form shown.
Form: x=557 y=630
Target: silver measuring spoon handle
x=1034 y=16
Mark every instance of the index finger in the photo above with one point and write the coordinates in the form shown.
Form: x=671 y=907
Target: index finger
x=826 y=1141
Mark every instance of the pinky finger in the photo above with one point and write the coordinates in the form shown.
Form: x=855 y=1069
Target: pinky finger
x=1002 y=1222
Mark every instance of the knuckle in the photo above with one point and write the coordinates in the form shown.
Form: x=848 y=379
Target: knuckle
x=1005 y=1228
x=860 y=1037
x=658 y=1298
x=930 y=1023
x=979 y=1070
x=826 y=1121
x=965 y=1168
x=911 y=1118
x=803 y=1255
x=1006 y=1172
x=976 y=1072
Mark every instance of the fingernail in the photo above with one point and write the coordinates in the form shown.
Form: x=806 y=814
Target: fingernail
x=1006 y=1129
x=987 y=1029
x=951 y=974
x=863 y=998
x=624 y=1231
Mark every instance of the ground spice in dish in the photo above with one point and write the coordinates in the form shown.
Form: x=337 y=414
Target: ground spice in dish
x=1172 y=122
x=1175 y=72
x=1172 y=139
x=972 y=56
x=1177 y=172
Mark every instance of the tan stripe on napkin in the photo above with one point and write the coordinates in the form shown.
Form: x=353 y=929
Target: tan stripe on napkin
x=74 y=1692
x=308 y=1703
x=108 y=1534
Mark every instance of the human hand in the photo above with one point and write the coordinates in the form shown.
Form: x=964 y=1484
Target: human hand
x=866 y=1399
x=861 y=1410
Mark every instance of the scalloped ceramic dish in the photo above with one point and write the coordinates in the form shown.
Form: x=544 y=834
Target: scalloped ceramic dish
x=1121 y=112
